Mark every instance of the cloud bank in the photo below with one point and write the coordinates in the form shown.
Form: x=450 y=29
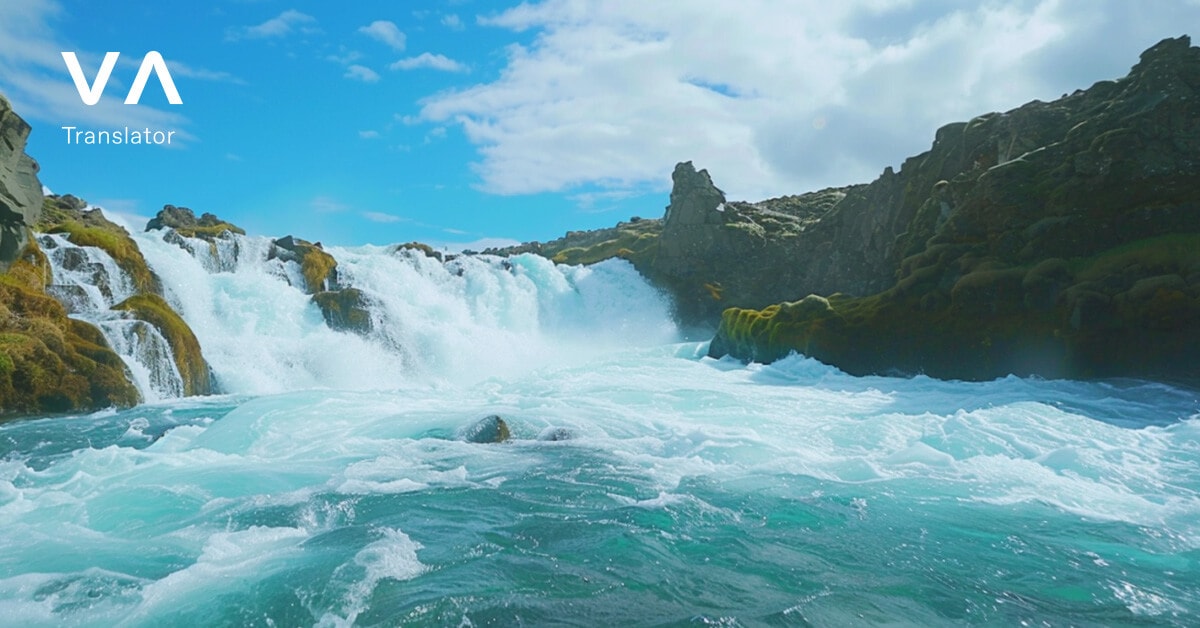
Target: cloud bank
x=771 y=98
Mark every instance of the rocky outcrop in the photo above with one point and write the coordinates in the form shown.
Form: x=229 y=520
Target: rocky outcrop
x=70 y=349
x=20 y=190
x=183 y=220
x=318 y=268
x=1059 y=239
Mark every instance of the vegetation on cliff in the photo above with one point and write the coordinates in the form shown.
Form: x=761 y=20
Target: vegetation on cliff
x=635 y=240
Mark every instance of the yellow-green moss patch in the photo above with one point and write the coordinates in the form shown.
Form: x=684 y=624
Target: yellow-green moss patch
x=152 y=309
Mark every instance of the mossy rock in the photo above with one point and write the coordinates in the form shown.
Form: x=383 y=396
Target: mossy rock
x=1116 y=313
x=151 y=308
x=318 y=268
x=183 y=220
x=635 y=241
x=422 y=248
x=49 y=362
x=345 y=310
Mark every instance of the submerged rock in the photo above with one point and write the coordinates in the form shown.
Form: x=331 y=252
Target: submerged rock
x=490 y=429
x=556 y=434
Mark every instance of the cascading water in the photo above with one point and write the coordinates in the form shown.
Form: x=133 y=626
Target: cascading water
x=88 y=283
x=470 y=318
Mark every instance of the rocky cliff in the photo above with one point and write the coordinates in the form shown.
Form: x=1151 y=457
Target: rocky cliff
x=20 y=190
x=1060 y=239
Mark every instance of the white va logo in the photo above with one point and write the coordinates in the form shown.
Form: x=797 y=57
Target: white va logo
x=90 y=94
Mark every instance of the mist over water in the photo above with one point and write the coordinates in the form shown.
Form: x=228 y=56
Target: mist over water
x=332 y=486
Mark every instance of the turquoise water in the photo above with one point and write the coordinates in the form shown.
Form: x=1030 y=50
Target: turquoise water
x=332 y=485
x=691 y=491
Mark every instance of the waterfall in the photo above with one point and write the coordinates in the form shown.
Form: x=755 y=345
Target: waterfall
x=469 y=318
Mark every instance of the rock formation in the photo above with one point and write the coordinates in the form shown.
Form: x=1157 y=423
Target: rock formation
x=183 y=220
x=318 y=268
x=20 y=190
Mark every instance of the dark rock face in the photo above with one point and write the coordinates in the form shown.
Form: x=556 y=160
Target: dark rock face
x=714 y=253
x=20 y=190
x=1059 y=239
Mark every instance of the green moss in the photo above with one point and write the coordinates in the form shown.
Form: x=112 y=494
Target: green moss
x=1175 y=253
x=48 y=362
x=632 y=241
x=209 y=232
x=316 y=265
x=152 y=309
x=115 y=241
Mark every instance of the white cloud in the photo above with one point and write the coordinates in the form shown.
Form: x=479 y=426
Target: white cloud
x=362 y=73
x=344 y=56
x=327 y=205
x=382 y=217
x=368 y=135
x=429 y=61
x=453 y=22
x=282 y=25
x=386 y=32
x=771 y=99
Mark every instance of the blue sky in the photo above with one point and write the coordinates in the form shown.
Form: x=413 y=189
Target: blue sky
x=458 y=122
